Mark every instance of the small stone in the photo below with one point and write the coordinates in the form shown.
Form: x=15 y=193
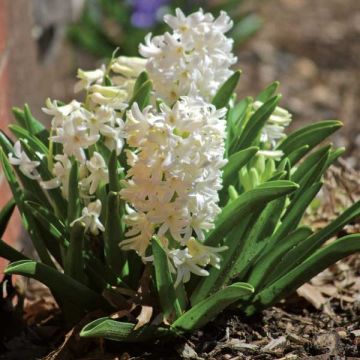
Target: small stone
x=342 y=334
x=356 y=333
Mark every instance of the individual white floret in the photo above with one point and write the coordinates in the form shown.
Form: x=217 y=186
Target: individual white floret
x=98 y=173
x=90 y=217
x=87 y=78
x=19 y=158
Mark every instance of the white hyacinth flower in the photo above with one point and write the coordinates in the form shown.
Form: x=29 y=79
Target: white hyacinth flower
x=184 y=265
x=87 y=78
x=196 y=54
x=274 y=129
x=61 y=171
x=19 y=158
x=128 y=66
x=90 y=217
x=175 y=169
x=99 y=173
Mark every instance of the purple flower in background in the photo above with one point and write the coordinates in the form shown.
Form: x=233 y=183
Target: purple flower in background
x=145 y=12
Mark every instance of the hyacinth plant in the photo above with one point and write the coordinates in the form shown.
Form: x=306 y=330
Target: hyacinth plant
x=162 y=199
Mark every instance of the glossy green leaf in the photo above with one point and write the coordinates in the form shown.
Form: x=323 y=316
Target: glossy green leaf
x=74 y=261
x=9 y=253
x=310 y=135
x=5 y=215
x=313 y=265
x=73 y=210
x=142 y=96
x=113 y=234
x=70 y=289
x=140 y=81
x=170 y=305
x=114 y=176
x=268 y=92
x=246 y=203
x=231 y=169
x=265 y=269
x=223 y=95
x=121 y=331
x=207 y=309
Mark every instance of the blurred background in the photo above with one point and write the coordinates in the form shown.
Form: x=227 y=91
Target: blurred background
x=311 y=47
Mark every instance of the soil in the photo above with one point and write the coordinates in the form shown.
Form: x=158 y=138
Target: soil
x=313 y=48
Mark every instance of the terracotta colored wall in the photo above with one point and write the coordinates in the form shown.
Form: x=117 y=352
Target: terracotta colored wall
x=30 y=73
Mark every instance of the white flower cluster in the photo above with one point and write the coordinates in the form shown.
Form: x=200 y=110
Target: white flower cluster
x=175 y=171
x=197 y=55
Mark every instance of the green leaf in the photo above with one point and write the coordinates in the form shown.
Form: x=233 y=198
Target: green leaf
x=300 y=252
x=246 y=203
x=164 y=282
x=302 y=273
x=70 y=289
x=5 y=215
x=142 y=96
x=268 y=92
x=114 y=183
x=57 y=200
x=33 y=141
x=74 y=261
x=207 y=309
x=295 y=212
x=310 y=135
x=73 y=211
x=265 y=268
x=113 y=234
x=121 y=331
x=9 y=253
x=231 y=169
x=34 y=126
x=223 y=95
x=140 y=81
x=256 y=122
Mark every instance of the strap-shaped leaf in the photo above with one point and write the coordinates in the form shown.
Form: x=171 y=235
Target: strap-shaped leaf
x=231 y=169
x=268 y=92
x=70 y=289
x=305 y=168
x=113 y=234
x=9 y=253
x=256 y=122
x=58 y=202
x=73 y=210
x=121 y=331
x=246 y=203
x=265 y=269
x=303 y=250
x=140 y=81
x=207 y=309
x=5 y=215
x=295 y=212
x=223 y=95
x=114 y=177
x=245 y=27
x=164 y=283
x=34 y=126
x=298 y=154
x=310 y=135
x=142 y=96
x=32 y=140
x=216 y=279
x=302 y=273
x=74 y=261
